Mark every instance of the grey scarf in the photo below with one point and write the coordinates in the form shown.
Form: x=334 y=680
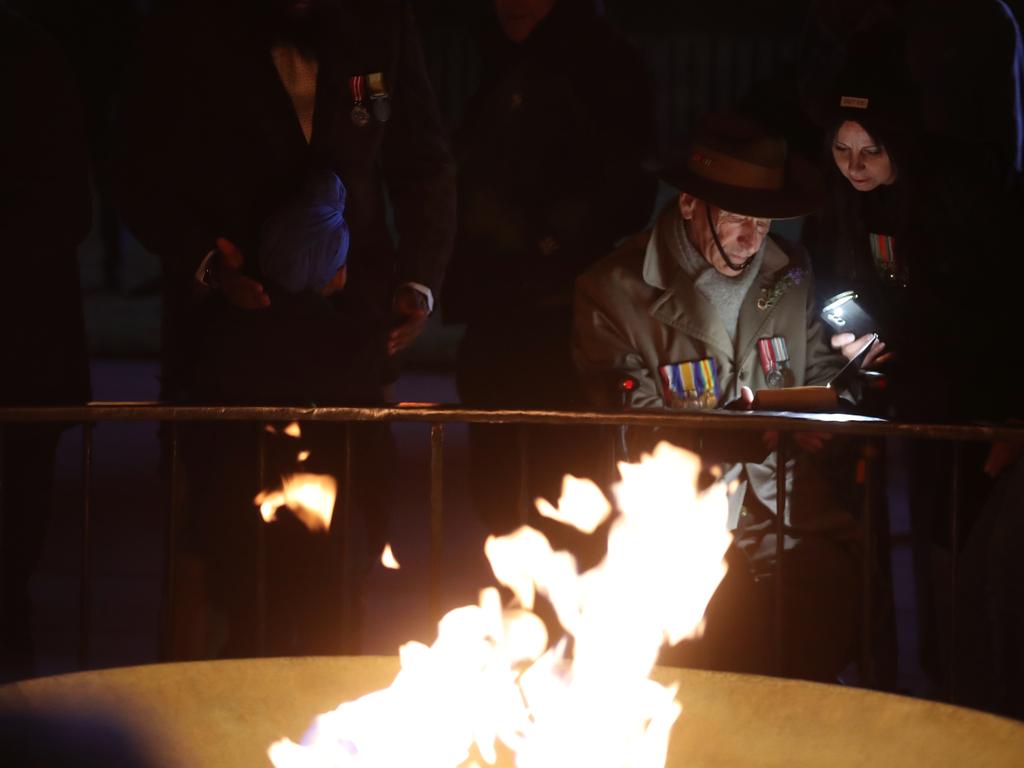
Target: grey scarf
x=725 y=293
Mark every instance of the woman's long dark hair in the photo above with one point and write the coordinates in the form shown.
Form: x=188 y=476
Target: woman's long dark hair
x=843 y=247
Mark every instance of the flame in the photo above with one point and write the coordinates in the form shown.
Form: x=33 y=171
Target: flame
x=293 y=430
x=491 y=678
x=387 y=558
x=303 y=455
x=310 y=497
x=581 y=505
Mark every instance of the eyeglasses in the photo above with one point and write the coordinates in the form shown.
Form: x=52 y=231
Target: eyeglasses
x=761 y=225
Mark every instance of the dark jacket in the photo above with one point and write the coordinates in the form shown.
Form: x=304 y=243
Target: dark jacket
x=551 y=147
x=45 y=212
x=212 y=146
x=962 y=59
x=949 y=323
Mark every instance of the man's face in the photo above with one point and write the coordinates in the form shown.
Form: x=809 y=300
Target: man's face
x=519 y=17
x=740 y=236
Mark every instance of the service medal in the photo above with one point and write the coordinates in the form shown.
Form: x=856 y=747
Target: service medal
x=360 y=116
x=691 y=384
x=380 y=101
x=774 y=356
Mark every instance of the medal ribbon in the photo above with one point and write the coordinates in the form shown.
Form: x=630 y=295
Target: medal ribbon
x=376 y=82
x=709 y=374
x=883 y=253
x=356 y=85
x=695 y=381
x=766 y=351
x=780 y=351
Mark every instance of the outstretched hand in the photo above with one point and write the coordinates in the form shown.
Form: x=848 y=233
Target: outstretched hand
x=238 y=289
x=411 y=308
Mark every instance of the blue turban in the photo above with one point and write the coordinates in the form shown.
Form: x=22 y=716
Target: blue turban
x=305 y=243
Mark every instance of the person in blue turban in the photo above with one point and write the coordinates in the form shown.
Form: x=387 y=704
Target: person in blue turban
x=304 y=245
x=300 y=350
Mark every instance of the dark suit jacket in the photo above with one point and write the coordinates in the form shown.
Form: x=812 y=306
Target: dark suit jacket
x=552 y=146
x=211 y=146
x=45 y=212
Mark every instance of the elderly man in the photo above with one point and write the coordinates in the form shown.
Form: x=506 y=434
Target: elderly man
x=701 y=311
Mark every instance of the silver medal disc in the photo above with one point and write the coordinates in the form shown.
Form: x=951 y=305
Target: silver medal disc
x=381 y=106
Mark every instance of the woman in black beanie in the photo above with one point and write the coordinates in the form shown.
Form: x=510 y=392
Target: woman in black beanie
x=923 y=239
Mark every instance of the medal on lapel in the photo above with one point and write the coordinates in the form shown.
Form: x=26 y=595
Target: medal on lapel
x=774 y=356
x=889 y=265
x=693 y=384
x=360 y=117
x=380 y=100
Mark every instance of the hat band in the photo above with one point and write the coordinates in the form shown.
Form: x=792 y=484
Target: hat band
x=721 y=168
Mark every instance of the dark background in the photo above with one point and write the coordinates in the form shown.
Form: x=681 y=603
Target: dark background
x=701 y=56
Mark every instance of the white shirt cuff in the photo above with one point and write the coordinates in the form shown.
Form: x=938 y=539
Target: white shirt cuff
x=425 y=291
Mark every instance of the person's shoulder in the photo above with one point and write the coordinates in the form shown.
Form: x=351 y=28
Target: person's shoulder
x=784 y=253
x=189 y=31
x=621 y=270
x=22 y=40
x=376 y=11
x=600 y=48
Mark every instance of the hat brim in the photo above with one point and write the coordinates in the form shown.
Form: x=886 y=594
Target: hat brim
x=800 y=195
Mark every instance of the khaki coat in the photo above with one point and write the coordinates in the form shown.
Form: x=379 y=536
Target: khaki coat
x=637 y=310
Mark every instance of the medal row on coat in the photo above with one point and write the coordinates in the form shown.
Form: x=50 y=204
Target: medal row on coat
x=369 y=96
x=696 y=383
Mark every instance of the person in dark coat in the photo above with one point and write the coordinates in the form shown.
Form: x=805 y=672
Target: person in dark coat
x=963 y=59
x=45 y=213
x=915 y=224
x=550 y=160
x=96 y=39
x=231 y=108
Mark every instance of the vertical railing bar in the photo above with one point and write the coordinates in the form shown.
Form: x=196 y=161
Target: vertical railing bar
x=3 y=464
x=261 y=545
x=523 y=501
x=170 y=543
x=868 y=565
x=615 y=453
x=349 y=640
x=954 y=576
x=85 y=575
x=436 y=518
x=780 y=539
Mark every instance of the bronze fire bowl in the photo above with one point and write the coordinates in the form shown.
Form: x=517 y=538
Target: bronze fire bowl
x=224 y=714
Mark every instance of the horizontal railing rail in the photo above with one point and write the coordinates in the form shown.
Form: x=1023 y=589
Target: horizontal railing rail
x=838 y=423
x=438 y=416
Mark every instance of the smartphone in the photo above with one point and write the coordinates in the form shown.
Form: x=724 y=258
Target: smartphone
x=852 y=367
x=843 y=314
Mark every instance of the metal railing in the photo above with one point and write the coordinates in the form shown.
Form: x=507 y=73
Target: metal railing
x=438 y=416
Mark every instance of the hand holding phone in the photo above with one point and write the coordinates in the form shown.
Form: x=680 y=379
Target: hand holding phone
x=856 y=361
x=852 y=347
